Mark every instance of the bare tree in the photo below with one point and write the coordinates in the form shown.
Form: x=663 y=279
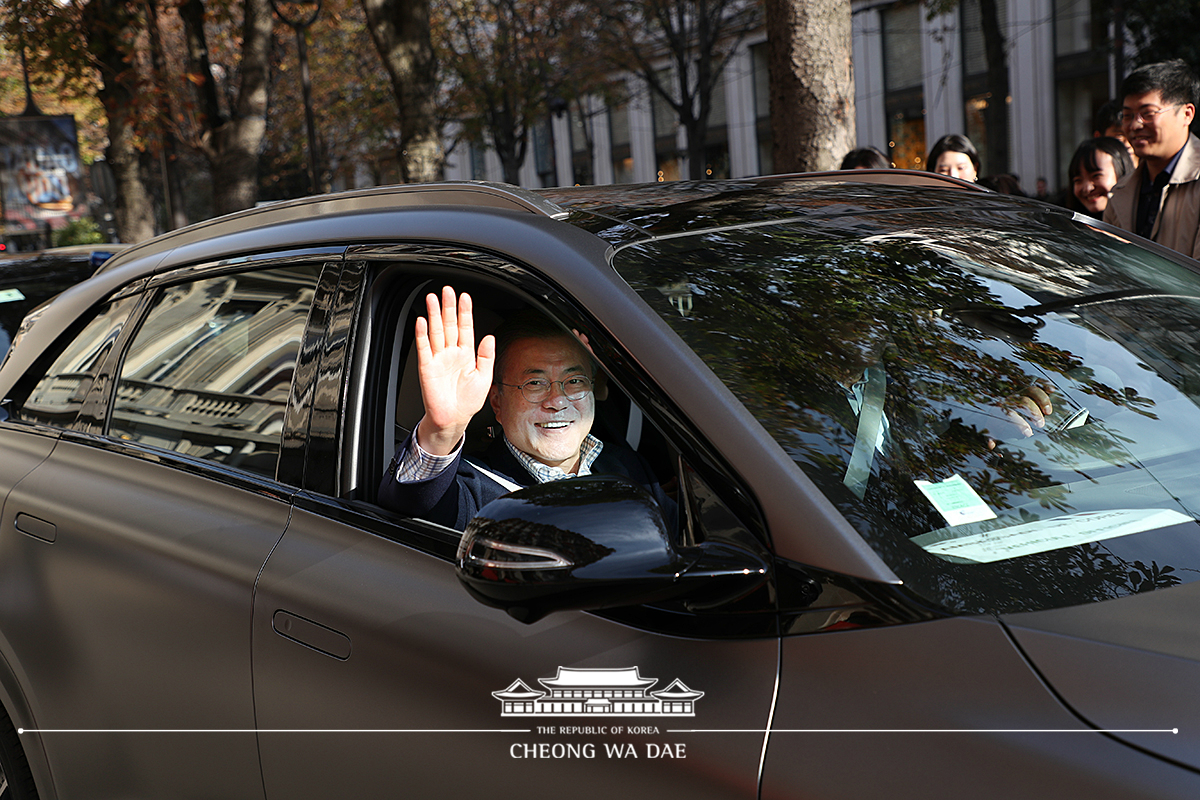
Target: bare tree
x=812 y=83
x=695 y=37
x=995 y=151
x=507 y=63
x=400 y=30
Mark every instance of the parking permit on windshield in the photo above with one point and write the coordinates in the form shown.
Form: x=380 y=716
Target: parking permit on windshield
x=956 y=500
x=1054 y=534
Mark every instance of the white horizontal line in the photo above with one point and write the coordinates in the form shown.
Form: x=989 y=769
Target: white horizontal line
x=925 y=730
x=527 y=730
x=272 y=730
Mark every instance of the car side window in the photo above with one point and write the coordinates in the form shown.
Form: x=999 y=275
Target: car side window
x=209 y=372
x=634 y=446
x=59 y=394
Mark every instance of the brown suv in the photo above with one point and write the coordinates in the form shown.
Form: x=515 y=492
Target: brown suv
x=929 y=454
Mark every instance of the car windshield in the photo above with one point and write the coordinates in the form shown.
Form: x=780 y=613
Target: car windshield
x=888 y=354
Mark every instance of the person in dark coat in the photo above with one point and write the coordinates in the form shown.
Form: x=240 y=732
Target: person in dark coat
x=541 y=383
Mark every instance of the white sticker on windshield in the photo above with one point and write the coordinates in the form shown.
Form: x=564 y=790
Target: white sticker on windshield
x=956 y=500
x=1053 y=534
x=10 y=295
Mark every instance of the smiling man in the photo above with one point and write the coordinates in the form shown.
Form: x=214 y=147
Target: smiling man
x=1160 y=200
x=539 y=381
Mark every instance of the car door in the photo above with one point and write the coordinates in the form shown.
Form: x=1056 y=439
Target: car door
x=129 y=554
x=375 y=672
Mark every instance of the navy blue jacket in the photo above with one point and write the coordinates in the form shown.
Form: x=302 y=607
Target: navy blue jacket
x=455 y=495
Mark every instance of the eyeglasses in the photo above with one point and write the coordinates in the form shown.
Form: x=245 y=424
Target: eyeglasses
x=1147 y=115
x=535 y=390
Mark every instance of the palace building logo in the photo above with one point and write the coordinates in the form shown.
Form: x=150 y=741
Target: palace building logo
x=621 y=692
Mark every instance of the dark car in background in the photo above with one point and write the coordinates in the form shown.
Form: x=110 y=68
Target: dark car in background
x=29 y=279
x=884 y=575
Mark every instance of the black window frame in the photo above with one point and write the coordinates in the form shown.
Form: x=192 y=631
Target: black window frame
x=427 y=267
x=92 y=424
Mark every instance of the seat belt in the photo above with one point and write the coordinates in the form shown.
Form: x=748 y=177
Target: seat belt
x=870 y=429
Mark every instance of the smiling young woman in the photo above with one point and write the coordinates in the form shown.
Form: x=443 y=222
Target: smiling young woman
x=1094 y=170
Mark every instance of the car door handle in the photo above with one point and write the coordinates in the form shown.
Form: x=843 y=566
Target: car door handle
x=311 y=634
x=37 y=528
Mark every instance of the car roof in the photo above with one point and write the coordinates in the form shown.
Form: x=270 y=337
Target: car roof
x=465 y=194
x=627 y=204
x=490 y=216
x=624 y=213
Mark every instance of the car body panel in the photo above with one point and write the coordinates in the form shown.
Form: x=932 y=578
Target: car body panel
x=140 y=610
x=23 y=451
x=1121 y=665
x=995 y=731
x=424 y=659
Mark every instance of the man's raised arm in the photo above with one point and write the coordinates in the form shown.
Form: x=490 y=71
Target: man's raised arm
x=455 y=379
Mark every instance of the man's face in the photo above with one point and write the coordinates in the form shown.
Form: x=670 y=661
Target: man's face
x=1152 y=134
x=553 y=429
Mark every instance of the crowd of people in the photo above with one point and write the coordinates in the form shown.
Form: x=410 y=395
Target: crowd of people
x=1140 y=171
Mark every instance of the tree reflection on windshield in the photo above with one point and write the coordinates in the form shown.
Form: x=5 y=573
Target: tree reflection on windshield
x=792 y=317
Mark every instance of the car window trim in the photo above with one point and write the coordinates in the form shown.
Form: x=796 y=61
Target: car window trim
x=213 y=470
x=255 y=262
x=314 y=332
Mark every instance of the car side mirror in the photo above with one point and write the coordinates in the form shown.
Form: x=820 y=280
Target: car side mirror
x=590 y=543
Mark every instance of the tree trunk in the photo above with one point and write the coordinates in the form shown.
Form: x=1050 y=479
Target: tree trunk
x=400 y=30
x=238 y=142
x=812 y=83
x=176 y=214
x=696 y=131
x=232 y=144
x=996 y=114
x=134 y=209
x=109 y=23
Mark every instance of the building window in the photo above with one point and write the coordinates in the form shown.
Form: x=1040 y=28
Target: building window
x=543 y=154
x=904 y=92
x=1080 y=73
x=986 y=106
x=716 y=142
x=666 y=130
x=582 y=147
x=622 y=153
x=478 y=164
x=762 y=109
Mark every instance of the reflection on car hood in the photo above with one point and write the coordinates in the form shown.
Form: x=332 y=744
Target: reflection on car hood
x=1129 y=665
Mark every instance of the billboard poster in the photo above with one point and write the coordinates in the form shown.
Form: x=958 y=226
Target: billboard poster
x=41 y=178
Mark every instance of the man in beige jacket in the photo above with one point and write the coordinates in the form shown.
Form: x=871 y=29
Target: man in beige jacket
x=1160 y=200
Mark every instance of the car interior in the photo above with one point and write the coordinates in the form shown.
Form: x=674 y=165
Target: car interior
x=397 y=300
